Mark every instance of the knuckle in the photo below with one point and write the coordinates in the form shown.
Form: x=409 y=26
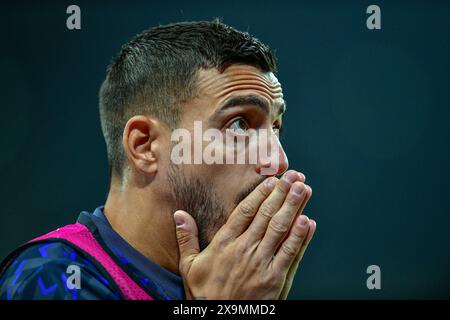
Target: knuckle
x=246 y=209
x=263 y=190
x=183 y=238
x=298 y=236
x=278 y=227
x=242 y=248
x=267 y=210
x=259 y=259
x=289 y=250
x=282 y=188
x=222 y=241
x=292 y=201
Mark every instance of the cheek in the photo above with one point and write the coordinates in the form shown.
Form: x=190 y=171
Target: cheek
x=164 y=163
x=231 y=179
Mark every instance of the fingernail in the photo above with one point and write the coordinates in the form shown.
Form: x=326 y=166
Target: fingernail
x=179 y=219
x=270 y=182
x=303 y=220
x=297 y=188
x=290 y=177
x=302 y=177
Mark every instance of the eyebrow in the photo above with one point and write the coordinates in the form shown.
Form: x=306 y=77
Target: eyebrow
x=254 y=100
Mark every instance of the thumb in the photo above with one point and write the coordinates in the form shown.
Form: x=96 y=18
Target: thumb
x=187 y=238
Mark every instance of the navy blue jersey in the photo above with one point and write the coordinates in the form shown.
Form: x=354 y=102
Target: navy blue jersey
x=40 y=271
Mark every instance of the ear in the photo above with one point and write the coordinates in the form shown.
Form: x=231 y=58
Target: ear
x=140 y=143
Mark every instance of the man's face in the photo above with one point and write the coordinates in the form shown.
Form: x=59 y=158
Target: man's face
x=242 y=99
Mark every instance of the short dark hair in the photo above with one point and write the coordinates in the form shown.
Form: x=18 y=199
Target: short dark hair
x=156 y=72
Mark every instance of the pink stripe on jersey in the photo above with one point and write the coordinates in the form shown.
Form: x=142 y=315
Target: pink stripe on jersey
x=80 y=236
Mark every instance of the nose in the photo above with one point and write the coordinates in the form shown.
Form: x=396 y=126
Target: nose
x=274 y=164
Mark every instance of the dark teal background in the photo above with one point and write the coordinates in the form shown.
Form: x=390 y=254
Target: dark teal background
x=367 y=122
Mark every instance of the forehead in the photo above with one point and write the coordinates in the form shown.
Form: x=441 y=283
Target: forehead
x=239 y=79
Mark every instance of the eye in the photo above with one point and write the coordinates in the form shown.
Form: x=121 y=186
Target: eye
x=239 y=126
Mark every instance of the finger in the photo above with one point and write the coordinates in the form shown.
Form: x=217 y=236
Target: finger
x=187 y=239
x=308 y=196
x=297 y=243
x=272 y=204
x=299 y=257
x=302 y=207
x=312 y=230
x=293 y=269
x=244 y=213
x=281 y=222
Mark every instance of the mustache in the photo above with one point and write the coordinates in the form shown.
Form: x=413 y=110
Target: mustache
x=243 y=194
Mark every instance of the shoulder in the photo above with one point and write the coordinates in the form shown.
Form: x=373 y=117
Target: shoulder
x=53 y=270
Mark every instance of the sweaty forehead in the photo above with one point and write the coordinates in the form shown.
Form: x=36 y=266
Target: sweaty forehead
x=237 y=79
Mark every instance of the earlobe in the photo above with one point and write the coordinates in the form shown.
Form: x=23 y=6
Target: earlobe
x=140 y=143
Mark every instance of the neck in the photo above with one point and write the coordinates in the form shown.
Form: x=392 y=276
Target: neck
x=144 y=223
